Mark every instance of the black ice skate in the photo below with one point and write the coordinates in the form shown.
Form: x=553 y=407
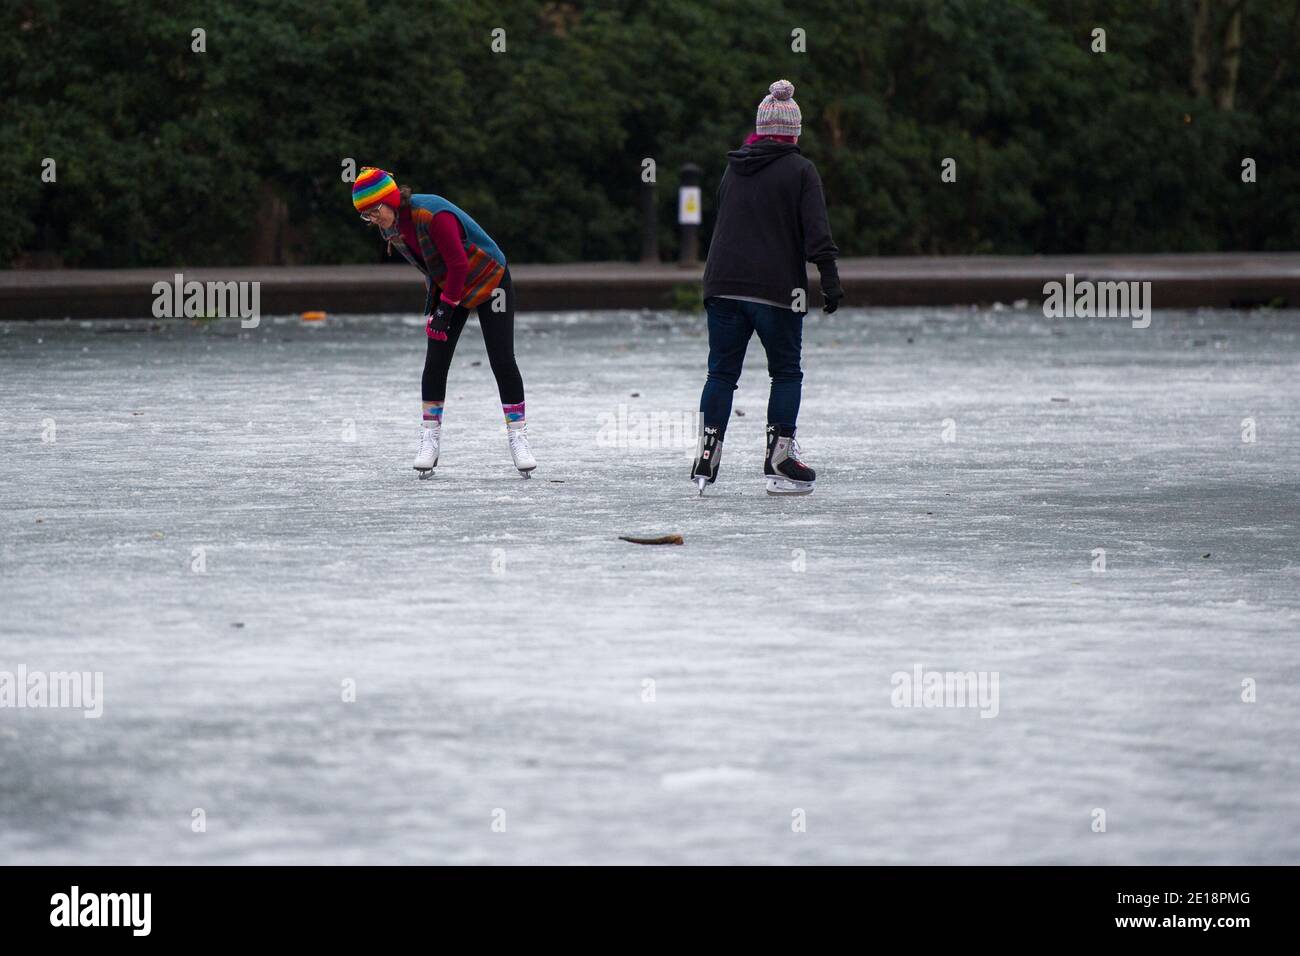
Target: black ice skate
x=785 y=473
x=707 y=456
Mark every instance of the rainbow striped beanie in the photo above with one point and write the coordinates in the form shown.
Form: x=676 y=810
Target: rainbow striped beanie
x=374 y=186
x=778 y=114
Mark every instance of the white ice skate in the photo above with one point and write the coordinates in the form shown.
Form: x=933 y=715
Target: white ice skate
x=517 y=433
x=427 y=457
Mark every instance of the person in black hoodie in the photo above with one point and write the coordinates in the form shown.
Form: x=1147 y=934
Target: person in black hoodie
x=771 y=222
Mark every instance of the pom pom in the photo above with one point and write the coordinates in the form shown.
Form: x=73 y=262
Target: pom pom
x=781 y=89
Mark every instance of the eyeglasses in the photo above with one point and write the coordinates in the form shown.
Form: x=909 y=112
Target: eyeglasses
x=371 y=215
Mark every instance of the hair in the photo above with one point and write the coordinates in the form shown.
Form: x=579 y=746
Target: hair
x=405 y=193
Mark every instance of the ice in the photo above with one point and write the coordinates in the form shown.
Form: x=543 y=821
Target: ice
x=514 y=662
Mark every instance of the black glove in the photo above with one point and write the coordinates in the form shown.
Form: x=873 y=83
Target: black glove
x=439 y=322
x=832 y=293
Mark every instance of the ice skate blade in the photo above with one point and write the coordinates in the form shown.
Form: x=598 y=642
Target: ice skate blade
x=700 y=483
x=525 y=473
x=424 y=473
x=788 y=486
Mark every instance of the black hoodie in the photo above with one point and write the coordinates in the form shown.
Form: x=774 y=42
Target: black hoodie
x=771 y=221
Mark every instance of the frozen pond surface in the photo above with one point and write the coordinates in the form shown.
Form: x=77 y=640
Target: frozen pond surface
x=500 y=636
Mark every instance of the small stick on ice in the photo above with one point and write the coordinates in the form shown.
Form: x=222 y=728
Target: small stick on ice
x=663 y=539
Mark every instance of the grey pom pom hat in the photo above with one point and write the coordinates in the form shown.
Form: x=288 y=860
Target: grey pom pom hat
x=778 y=114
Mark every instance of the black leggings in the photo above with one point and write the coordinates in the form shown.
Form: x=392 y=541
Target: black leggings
x=499 y=337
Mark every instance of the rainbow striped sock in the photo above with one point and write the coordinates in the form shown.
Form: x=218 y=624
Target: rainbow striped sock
x=432 y=411
x=514 y=413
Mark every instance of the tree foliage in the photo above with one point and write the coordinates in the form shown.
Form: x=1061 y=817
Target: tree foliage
x=166 y=156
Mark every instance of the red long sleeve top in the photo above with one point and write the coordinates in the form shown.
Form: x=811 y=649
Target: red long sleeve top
x=445 y=232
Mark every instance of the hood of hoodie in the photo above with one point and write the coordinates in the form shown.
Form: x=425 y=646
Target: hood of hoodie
x=750 y=159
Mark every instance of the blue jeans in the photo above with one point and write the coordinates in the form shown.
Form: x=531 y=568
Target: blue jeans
x=731 y=323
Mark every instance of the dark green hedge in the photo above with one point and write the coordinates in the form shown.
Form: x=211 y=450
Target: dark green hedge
x=170 y=157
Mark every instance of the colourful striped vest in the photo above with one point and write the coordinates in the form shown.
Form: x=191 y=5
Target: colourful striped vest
x=487 y=264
